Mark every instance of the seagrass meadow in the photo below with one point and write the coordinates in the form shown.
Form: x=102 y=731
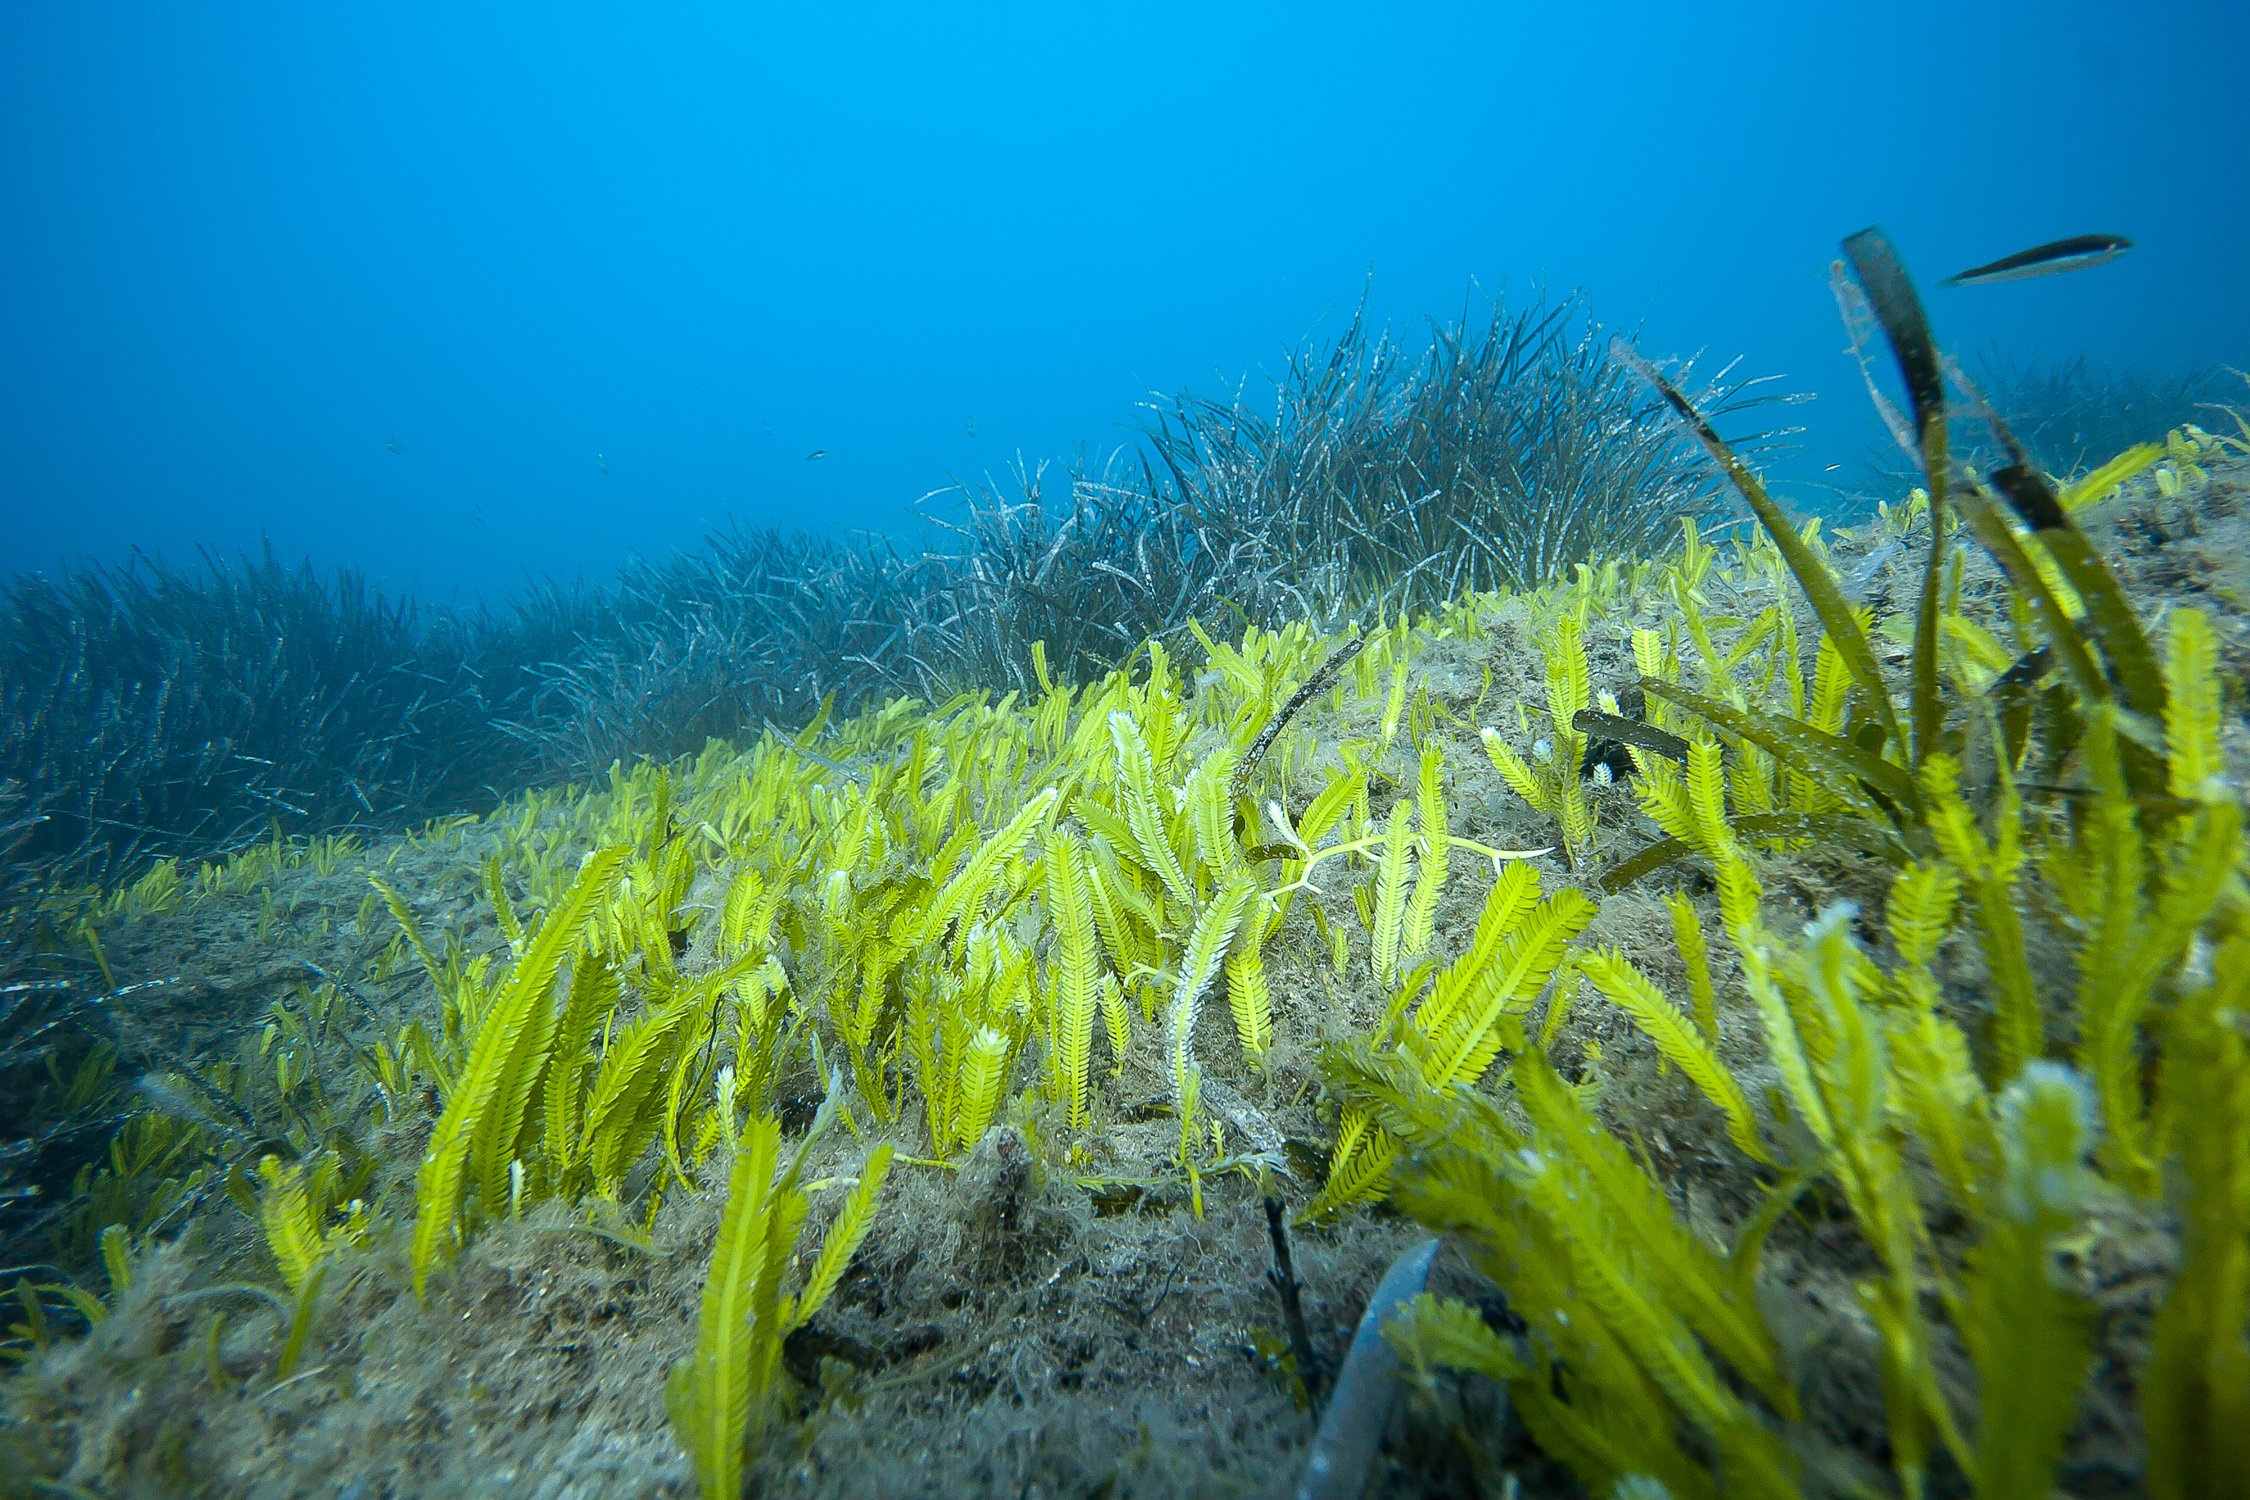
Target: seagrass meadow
x=1803 y=978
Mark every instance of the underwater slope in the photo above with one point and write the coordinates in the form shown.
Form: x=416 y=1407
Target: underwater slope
x=1802 y=976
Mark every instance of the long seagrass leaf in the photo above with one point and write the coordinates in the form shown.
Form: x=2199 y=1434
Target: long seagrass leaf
x=1798 y=744
x=1982 y=512
x=1899 y=311
x=1812 y=575
x=2109 y=616
x=2117 y=629
x=1609 y=726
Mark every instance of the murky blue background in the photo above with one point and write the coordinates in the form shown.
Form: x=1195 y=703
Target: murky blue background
x=249 y=246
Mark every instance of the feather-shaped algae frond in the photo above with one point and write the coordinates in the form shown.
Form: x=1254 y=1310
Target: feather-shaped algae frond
x=2196 y=766
x=2195 y=1390
x=494 y=1065
x=1214 y=933
x=1695 y=956
x=1517 y=772
x=1074 y=973
x=1920 y=911
x=1585 y=1186
x=503 y=908
x=1329 y=805
x=963 y=896
x=1147 y=807
x=841 y=1242
x=1707 y=1294
x=292 y=1226
x=1388 y=923
x=1473 y=1009
x=1430 y=869
x=984 y=1066
x=498 y=1132
x=403 y=914
x=2029 y=1338
x=721 y=1395
x=1249 y=996
x=711 y=1391
x=746 y=920
x=1988 y=870
x=624 y=1113
x=1678 y=1040
x=1210 y=812
x=1359 y=1165
x=1569 y=691
x=594 y=993
x=1433 y=1334
x=1472 y=1012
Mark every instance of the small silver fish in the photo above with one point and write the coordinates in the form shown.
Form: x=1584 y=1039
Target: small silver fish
x=816 y=454
x=393 y=445
x=2073 y=254
x=601 y=463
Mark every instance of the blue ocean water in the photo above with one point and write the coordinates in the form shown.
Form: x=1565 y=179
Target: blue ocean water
x=453 y=294
x=345 y=1189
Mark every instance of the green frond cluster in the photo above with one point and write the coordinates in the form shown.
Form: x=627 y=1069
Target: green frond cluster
x=723 y=1396
x=2024 y=1028
x=1452 y=1023
x=1964 y=1156
x=475 y=1139
x=1636 y=1322
x=1549 y=779
x=2196 y=1389
x=898 y=898
x=1682 y=1042
x=303 y=1211
x=1075 y=977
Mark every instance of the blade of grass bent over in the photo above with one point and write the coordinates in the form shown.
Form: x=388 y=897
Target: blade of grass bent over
x=1907 y=328
x=1811 y=573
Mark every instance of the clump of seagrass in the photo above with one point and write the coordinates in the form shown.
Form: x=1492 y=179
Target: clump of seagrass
x=1509 y=451
x=57 y=1108
x=1091 y=571
x=754 y=627
x=148 y=710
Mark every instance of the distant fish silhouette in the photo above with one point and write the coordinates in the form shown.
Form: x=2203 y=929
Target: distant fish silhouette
x=972 y=427
x=816 y=453
x=2073 y=254
x=601 y=462
x=393 y=445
